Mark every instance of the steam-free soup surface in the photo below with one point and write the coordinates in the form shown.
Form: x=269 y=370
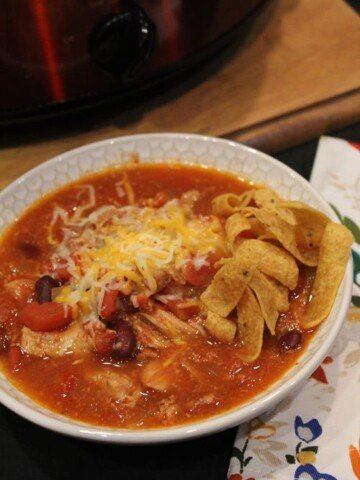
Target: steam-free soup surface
x=172 y=374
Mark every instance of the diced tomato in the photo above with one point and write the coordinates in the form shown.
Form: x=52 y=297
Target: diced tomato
x=61 y=273
x=145 y=303
x=108 y=306
x=104 y=340
x=45 y=317
x=15 y=357
x=203 y=275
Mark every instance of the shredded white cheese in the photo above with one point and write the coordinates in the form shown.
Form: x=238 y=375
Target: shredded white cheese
x=129 y=248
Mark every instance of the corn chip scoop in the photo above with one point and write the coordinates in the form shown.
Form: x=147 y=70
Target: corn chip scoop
x=333 y=257
x=228 y=203
x=234 y=226
x=263 y=270
x=250 y=326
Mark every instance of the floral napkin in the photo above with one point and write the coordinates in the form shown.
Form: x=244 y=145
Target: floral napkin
x=314 y=435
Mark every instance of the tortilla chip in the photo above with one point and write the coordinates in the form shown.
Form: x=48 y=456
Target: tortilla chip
x=257 y=228
x=275 y=262
x=234 y=225
x=284 y=232
x=272 y=298
x=266 y=198
x=250 y=326
x=267 y=237
x=229 y=283
x=333 y=257
x=229 y=203
x=219 y=327
x=310 y=223
x=286 y=215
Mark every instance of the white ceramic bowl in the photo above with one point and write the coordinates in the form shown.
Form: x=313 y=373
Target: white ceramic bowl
x=195 y=149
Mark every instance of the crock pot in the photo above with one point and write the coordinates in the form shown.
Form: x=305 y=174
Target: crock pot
x=57 y=54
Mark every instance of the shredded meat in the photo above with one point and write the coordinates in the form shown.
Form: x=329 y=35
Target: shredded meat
x=146 y=334
x=54 y=344
x=158 y=374
x=117 y=386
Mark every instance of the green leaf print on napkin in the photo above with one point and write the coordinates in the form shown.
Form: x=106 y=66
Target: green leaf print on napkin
x=350 y=224
x=356 y=262
x=355 y=230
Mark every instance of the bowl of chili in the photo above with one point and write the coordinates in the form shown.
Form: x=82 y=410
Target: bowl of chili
x=54 y=265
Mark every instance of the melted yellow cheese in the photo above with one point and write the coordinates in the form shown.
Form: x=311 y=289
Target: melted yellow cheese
x=138 y=245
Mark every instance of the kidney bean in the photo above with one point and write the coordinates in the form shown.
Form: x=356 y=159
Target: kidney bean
x=43 y=287
x=125 y=341
x=125 y=305
x=291 y=340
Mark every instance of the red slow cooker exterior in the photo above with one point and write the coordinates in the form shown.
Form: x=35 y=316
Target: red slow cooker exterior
x=56 y=51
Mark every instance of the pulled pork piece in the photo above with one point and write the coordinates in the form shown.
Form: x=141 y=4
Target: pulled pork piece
x=158 y=374
x=168 y=324
x=147 y=335
x=54 y=344
x=116 y=385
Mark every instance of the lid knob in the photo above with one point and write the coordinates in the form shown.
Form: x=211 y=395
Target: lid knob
x=121 y=43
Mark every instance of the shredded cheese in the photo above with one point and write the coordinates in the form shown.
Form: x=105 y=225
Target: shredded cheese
x=129 y=248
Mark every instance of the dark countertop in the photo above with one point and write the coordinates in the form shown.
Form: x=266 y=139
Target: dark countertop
x=28 y=452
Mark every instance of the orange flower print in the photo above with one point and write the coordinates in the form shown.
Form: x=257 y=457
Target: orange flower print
x=319 y=373
x=354 y=454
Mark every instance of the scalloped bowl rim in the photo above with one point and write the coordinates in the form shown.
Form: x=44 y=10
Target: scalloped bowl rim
x=262 y=402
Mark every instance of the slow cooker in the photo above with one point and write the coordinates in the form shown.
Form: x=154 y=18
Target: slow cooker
x=61 y=54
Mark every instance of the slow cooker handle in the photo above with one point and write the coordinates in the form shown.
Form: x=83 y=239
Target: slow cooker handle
x=121 y=43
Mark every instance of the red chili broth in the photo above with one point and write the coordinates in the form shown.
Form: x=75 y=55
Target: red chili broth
x=58 y=384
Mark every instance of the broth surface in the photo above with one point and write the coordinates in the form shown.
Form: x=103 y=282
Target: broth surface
x=208 y=379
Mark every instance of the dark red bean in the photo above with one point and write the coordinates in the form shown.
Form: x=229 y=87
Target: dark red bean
x=125 y=305
x=124 y=344
x=29 y=249
x=43 y=287
x=291 y=340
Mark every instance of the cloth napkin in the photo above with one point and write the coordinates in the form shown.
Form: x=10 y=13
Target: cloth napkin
x=314 y=434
